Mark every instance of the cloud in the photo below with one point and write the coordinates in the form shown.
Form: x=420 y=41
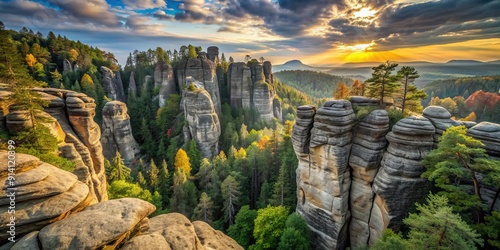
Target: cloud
x=160 y=14
x=228 y=29
x=92 y=11
x=144 y=4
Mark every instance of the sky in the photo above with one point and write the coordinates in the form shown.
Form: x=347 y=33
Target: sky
x=317 y=32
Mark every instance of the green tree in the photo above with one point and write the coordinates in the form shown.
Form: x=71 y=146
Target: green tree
x=410 y=92
x=118 y=170
x=390 y=241
x=153 y=175
x=269 y=226
x=383 y=84
x=459 y=158
x=296 y=235
x=194 y=155
x=491 y=229
x=243 y=227
x=121 y=189
x=164 y=182
x=437 y=227
x=203 y=210
x=192 y=52
x=88 y=86
x=230 y=193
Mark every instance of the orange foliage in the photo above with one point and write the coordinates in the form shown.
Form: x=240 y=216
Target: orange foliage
x=481 y=99
x=263 y=141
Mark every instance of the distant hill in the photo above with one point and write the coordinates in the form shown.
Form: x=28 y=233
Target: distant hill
x=293 y=65
x=313 y=83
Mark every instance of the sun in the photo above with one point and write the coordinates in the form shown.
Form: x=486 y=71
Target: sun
x=357 y=47
x=365 y=13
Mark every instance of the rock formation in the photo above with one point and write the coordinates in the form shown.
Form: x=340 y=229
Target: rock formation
x=132 y=86
x=367 y=150
x=365 y=175
x=164 y=79
x=67 y=66
x=322 y=141
x=251 y=87
x=112 y=84
x=213 y=54
x=72 y=116
x=204 y=71
x=117 y=133
x=202 y=119
x=56 y=211
x=268 y=72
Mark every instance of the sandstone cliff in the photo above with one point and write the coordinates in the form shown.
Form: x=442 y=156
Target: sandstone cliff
x=204 y=71
x=132 y=86
x=356 y=179
x=117 y=133
x=78 y=135
x=164 y=80
x=202 y=120
x=252 y=87
x=56 y=211
x=112 y=84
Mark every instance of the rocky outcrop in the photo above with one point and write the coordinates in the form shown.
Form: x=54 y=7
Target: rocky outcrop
x=67 y=66
x=213 y=54
x=440 y=119
x=277 y=109
x=367 y=150
x=42 y=194
x=112 y=84
x=202 y=120
x=249 y=88
x=56 y=211
x=268 y=72
x=117 y=133
x=164 y=80
x=489 y=134
x=72 y=123
x=322 y=141
x=398 y=184
x=204 y=71
x=132 y=86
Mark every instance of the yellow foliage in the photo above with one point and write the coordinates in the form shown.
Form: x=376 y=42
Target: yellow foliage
x=30 y=60
x=182 y=163
x=241 y=154
x=471 y=117
x=73 y=54
x=263 y=141
x=342 y=92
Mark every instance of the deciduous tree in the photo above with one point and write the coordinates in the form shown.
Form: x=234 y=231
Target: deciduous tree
x=341 y=92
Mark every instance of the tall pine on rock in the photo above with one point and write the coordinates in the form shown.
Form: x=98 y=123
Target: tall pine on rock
x=410 y=91
x=383 y=84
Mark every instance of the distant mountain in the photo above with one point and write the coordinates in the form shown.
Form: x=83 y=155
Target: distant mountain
x=463 y=62
x=293 y=65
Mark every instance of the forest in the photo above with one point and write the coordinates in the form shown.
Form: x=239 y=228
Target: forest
x=249 y=189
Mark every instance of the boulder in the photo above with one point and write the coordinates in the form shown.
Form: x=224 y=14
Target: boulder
x=28 y=242
x=202 y=121
x=147 y=242
x=212 y=239
x=177 y=231
x=117 y=133
x=100 y=225
x=112 y=84
x=440 y=119
x=489 y=134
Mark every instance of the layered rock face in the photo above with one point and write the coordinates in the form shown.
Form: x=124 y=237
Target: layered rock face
x=56 y=211
x=367 y=150
x=112 y=84
x=251 y=87
x=398 y=184
x=204 y=71
x=322 y=141
x=268 y=71
x=117 y=133
x=164 y=79
x=213 y=54
x=203 y=121
x=78 y=135
x=132 y=86
x=365 y=175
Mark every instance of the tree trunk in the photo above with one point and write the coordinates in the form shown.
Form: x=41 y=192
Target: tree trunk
x=404 y=96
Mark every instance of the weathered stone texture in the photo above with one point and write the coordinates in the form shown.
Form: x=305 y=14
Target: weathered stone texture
x=112 y=84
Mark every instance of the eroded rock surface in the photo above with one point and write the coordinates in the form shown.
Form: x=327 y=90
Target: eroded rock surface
x=117 y=132
x=132 y=86
x=202 y=121
x=112 y=84
x=164 y=79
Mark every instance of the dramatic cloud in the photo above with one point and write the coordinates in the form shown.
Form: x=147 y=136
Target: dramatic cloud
x=144 y=4
x=93 y=11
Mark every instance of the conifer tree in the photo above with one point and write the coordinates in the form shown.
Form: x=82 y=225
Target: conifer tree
x=194 y=155
x=164 y=182
x=382 y=84
x=410 y=91
x=230 y=193
x=118 y=170
x=341 y=92
x=182 y=163
x=153 y=176
x=203 y=210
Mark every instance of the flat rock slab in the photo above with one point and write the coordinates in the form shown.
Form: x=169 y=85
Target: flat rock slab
x=23 y=162
x=147 y=242
x=96 y=225
x=28 y=242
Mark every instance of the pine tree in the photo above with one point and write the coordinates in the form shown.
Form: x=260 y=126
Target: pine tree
x=382 y=84
x=230 y=193
x=153 y=176
x=410 y=92
x=459 y=158
x=194 y=155
x=203 y=210
x=118 y=170
x=182 y=163
x=242 y=229
x=164 y=182
x=341 y=92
